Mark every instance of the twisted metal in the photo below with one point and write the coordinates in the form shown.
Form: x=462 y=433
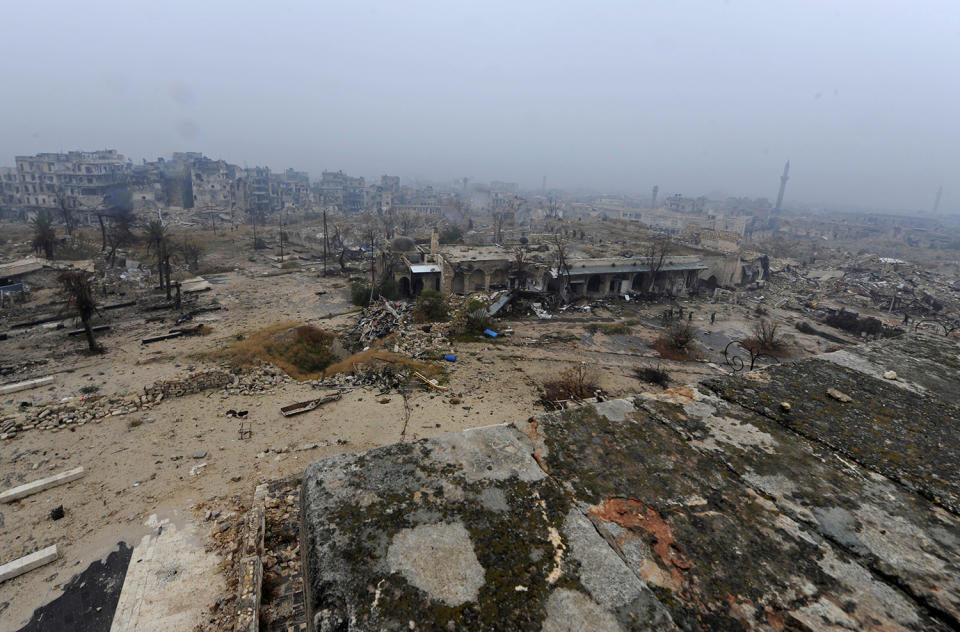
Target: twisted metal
x=932 y=325
x=735 y=359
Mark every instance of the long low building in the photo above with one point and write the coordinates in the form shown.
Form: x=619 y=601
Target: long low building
x=675 y=276
x=462 y=270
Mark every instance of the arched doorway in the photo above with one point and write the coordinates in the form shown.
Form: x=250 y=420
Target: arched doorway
x=476 y=281
x=458 y=283
x=405 y=286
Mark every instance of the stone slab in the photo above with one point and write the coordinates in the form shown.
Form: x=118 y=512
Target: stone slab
x=34 y=487
x=16 y=387
x=28 y=563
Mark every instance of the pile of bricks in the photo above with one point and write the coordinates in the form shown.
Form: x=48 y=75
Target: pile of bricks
x=193 y=383
x=75 y=412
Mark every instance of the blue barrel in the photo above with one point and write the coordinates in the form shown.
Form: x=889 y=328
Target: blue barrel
x=489 y=333
x=450 y=358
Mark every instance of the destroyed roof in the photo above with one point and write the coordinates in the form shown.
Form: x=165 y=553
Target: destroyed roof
x=20 y=267
x=475 y=253
x=424 y=268
x=684 y=509
x=580 y=267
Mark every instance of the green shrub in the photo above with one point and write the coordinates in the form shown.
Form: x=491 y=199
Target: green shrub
x=451 y=235
x=360 y=291
x=609 y=329
x=431 y=306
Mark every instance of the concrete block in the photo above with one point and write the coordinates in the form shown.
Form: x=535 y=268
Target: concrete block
x=25 y=385
x=38 y=486
x=28 y=563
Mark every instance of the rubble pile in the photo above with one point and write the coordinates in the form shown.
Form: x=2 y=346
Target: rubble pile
x=193 y=383
x=381 y=319
x=260 y=380
x=378 y=375
x=418 y=342
x=76 y=412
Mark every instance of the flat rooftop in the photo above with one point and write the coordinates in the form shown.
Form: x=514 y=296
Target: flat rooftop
x=695 y=508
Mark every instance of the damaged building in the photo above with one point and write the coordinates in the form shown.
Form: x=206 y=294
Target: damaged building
x=462 y=270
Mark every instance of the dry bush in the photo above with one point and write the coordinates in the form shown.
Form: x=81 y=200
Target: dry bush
x=372 y=357
x=676 y=342
x=766 y=339
x=576 y=382
x=300 y=351
x=653 y=375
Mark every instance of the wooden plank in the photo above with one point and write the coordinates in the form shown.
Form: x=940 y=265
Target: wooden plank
x=431 y=383
x=28 y=563
x=26 y=384
x=38 y=486
x=147 y=341
x=80 y=332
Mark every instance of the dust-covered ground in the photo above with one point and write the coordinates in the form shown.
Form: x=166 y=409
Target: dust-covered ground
x=185 y=457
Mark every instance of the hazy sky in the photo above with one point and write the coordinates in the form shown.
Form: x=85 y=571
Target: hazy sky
x=862 y=96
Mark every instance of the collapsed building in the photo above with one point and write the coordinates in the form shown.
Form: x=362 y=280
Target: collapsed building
x=462 y=270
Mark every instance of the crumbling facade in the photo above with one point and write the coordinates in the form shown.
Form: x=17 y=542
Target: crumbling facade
x=85 y=176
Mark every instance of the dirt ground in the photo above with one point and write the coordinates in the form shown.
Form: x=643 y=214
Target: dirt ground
x=153 y=465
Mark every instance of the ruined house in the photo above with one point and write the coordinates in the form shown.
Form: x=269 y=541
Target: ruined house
x=595 y=278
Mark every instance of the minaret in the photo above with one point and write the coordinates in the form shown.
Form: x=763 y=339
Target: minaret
x=936 y=202
x=653 y=203
x=783 y=186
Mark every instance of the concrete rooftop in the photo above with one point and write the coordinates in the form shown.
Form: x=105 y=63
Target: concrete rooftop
x=702 y=508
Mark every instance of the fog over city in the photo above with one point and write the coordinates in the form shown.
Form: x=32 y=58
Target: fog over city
x=699 y=97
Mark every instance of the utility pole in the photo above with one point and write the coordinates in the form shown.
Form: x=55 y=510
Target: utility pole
x=783 y=186
x=281 y=226
x=324 y=240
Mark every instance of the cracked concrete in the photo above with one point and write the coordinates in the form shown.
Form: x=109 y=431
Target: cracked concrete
x=687 y=511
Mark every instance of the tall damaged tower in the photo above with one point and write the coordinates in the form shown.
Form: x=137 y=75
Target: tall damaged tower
x=653 y=202
x=936 y=202
x=783 y=186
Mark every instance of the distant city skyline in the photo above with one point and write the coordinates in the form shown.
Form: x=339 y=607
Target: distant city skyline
x=612 y=96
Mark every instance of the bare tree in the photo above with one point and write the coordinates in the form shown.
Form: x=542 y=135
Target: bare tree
x=44 y=235
x=553 y=208
x=157 y=238
x=341 y=233
x=520 y=265
x=561 y=258
x=120 y=232
x=408 y=222
x=192 y=251
x=77 y=289
x=656 y=253
x=66 y=205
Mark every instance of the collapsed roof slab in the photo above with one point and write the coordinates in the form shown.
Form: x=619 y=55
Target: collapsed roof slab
x=612 y=517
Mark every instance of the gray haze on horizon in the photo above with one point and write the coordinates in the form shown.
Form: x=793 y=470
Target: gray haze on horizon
x=695 y=96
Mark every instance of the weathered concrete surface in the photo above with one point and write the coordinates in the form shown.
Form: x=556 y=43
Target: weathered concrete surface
x=909 y=436
x=167 y=572
x=464 y=532
x=680 y=510
x=897 y=534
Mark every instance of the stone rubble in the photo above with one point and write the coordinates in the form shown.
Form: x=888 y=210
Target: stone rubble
x=73 y=412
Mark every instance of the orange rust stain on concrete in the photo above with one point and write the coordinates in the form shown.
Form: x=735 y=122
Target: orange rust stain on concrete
x=633 y=514
x=681 y=392
x=536 y=438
